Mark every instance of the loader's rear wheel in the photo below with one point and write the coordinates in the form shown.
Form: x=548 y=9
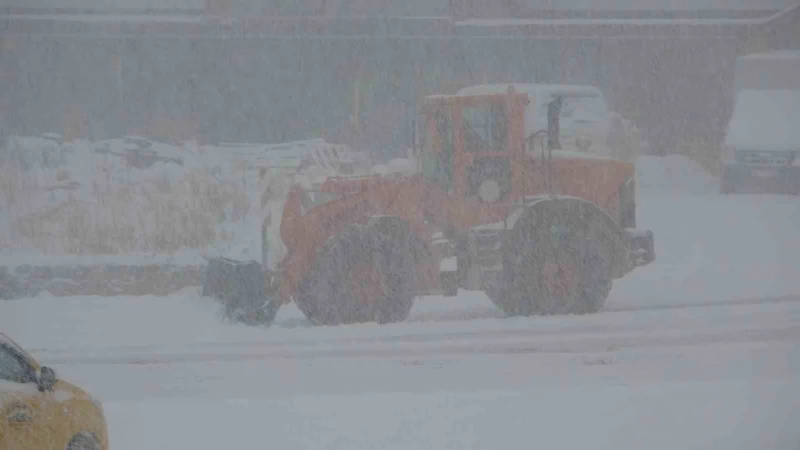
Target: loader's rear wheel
x=554 y=264
x=365 y=274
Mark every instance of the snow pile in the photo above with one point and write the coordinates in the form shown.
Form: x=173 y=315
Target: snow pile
x=140 y=212
x=111 y=203
x=673 y=173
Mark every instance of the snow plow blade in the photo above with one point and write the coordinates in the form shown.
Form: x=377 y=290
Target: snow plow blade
x=241 y=288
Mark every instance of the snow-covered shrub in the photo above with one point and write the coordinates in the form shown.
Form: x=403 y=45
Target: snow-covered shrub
x=157 y=216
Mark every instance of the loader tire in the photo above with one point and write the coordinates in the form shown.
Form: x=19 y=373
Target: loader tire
x=364 y=274
x=532 y=246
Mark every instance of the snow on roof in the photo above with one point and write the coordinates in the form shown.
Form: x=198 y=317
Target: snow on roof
x=765 y=120
x=777 y=54
x=656 y=5
x=576 y=89
x=531 y=89
x=518 y=22
x=495 y=88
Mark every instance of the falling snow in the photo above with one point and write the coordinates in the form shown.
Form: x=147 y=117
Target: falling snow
x=415 y=224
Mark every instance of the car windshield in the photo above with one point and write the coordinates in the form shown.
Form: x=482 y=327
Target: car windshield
x=4 y=339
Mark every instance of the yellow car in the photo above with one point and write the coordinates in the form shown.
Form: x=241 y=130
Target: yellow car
x=41 y=412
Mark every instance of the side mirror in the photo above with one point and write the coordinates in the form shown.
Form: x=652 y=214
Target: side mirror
x=47 y=379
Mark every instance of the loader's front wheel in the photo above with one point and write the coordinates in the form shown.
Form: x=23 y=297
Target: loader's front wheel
x=365 y=274
x=555 y=264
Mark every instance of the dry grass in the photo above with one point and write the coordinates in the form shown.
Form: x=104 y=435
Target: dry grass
x=13 y=186
x=161 y=216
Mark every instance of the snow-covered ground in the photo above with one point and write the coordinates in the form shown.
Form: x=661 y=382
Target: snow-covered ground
x=171 y=376
x=699 y=350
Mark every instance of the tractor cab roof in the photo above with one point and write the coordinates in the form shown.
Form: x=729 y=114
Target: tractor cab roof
x=471 y=98
x=533 y=89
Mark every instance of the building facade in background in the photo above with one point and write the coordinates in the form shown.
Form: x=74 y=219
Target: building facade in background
x=355 y=70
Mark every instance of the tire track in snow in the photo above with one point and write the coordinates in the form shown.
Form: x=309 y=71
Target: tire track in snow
x=494 y=313
x=772 y=328
x=710 y=304
x=472 y=348
x=401 y=333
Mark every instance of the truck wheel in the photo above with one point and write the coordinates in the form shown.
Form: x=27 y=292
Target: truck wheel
x=596 y=278
x=548 y=270
x=364 y=274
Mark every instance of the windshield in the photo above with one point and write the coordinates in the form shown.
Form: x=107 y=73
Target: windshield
x=582 y=108
x=9 y=342
x=485 y=128
x=577 y=107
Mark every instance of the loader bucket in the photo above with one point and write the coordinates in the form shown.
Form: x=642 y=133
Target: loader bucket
x=240 y=288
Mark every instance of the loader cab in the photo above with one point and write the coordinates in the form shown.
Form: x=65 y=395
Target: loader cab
x=471 y=146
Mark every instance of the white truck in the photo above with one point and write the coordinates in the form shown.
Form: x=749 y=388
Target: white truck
x=762 y=139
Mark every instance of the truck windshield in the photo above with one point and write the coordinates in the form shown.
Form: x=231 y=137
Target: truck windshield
x=576 y=107
x=582 y=108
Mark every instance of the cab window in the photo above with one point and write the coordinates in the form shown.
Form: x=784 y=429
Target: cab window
x=437 y=166
x=12 y=367
x=485 y=128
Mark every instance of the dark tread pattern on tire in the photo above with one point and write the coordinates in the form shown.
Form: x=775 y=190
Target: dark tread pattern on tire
x=324 y=295
x=83 y=441
x=531 y=243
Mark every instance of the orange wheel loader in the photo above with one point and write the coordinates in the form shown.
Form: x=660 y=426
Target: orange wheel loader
x=540 y=230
